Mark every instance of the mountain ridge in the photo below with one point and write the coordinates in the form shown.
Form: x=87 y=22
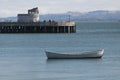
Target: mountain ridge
x=98 y=15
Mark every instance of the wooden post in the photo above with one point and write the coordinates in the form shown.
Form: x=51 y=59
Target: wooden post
x=64 y=30
x=68 y=29
x=57 y=29
x=53 y=29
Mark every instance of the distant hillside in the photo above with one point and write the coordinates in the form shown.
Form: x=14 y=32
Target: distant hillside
x=99 y=15
x=8 y=19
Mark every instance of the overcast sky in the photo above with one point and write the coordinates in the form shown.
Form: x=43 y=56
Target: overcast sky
x=13 y=7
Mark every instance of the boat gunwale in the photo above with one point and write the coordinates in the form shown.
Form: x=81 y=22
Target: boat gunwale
x=76 y=53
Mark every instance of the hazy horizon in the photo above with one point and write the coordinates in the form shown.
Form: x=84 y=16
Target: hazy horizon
x=14 y=7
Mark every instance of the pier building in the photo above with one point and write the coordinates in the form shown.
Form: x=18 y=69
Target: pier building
x=30 y=23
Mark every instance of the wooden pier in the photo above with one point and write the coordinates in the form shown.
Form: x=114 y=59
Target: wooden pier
x=37 y=27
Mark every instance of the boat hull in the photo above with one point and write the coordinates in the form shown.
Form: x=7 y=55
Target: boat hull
x=93 y=54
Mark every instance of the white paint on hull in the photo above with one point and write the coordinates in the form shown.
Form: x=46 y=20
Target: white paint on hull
x=92 y=54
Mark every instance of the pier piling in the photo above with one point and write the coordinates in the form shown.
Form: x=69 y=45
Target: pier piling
x=37 y=27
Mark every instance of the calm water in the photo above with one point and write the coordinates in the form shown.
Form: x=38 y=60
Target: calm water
x=22 y=56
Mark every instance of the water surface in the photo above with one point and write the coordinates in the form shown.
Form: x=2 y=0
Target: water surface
x=22 y=56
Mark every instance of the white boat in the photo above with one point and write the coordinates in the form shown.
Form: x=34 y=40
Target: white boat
x=87 y=54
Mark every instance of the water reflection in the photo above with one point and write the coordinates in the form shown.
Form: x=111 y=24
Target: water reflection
x=73 y=60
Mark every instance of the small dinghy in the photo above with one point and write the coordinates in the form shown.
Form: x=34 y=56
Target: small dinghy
x=87 y=54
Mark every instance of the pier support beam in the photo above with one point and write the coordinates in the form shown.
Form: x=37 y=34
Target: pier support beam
x=68 y=29
x=58 y=29
x=39 y=27
x=64 y=29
